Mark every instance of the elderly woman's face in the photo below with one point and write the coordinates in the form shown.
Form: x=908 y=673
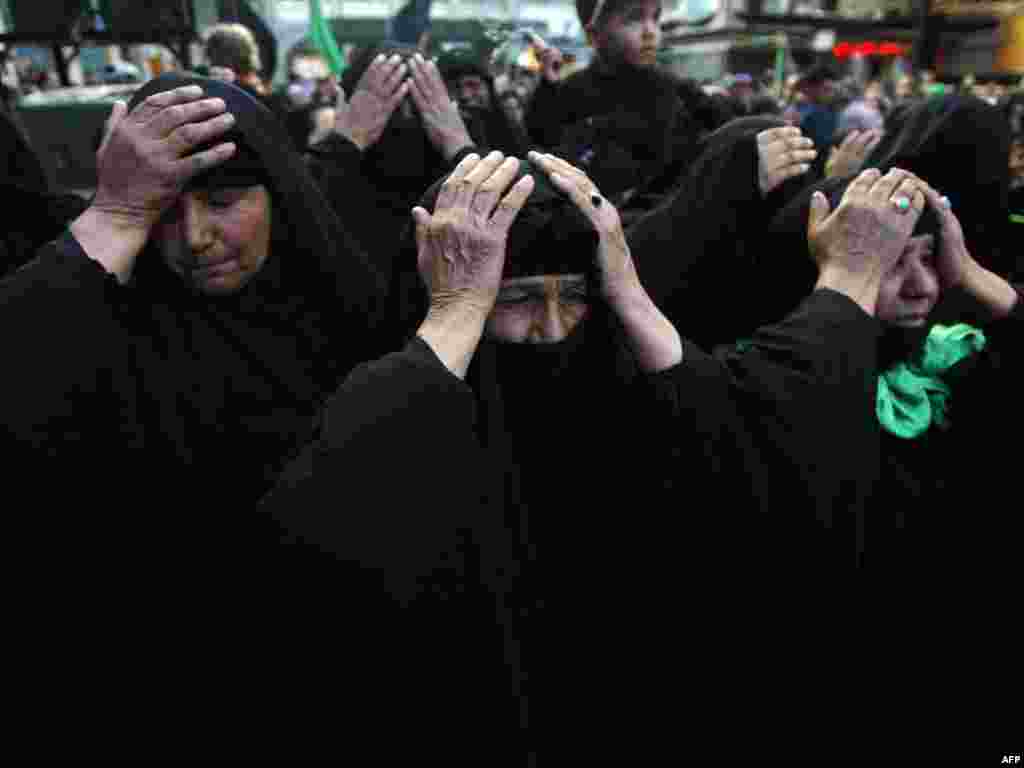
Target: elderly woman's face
x=223 y=232
x=538 y=310
x=911 y=288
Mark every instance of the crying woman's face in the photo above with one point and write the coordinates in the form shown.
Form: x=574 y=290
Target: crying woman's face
x=542 y=309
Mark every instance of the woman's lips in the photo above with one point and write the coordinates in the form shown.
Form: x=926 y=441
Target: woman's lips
x=216 y=268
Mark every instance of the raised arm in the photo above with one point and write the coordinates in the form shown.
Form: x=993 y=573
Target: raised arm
x=653 y=339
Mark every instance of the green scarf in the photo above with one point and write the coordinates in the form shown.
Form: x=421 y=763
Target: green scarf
x=912 y=395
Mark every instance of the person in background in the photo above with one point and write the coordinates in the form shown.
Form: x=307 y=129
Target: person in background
x=471 y=86
x=818 y=116
x=741 y=90
x=232 y=47
x=864 y=113
x=307 y=102
x=513 y=106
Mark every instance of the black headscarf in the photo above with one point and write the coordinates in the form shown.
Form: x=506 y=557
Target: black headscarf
x=696 y=253
x=960 y=145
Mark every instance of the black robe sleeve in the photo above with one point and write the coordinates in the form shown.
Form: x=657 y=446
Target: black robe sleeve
x=774 y=448
x=391 y=483
x=979 y=527
x=63 y=337
x=690 y=250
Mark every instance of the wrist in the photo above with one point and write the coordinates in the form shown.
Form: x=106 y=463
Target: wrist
x=453 y=332
x=861 y=288
x=112 y=238
x=655 y=342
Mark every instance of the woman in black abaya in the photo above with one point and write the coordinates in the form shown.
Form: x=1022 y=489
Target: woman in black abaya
x=943 y=391
x=703 y=242
x=183 y=333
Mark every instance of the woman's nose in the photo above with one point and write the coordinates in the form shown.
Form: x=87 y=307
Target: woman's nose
x=548 y=326
x=196 y=223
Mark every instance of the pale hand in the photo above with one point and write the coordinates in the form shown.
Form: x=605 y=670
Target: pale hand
x=782 y=153
x=855 y=245
x=379 y=92
x=144 y=161
x=614 y=261
x=440 y=115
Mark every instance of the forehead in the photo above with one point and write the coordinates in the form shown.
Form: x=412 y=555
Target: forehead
x=540 y=281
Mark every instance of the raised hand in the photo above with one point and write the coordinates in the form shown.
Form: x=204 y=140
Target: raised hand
x=144 y=161
x=440 y=114
x=614 y=261
x=655 y=342
x=461 y=252
x=855 y=245
x=782 y=153
x=379 y=92
x=848 y=158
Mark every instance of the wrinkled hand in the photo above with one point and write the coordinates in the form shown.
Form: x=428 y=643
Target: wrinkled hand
x=953 y=261
x=440 y=114
x=855 y=245
x=551 y=59
x=379 y=92
x=848 y=158
x=615 y=263
x=143 y=163
x=461 y=246
x=782 y=153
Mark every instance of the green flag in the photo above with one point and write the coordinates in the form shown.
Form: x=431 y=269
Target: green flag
x=323 y=38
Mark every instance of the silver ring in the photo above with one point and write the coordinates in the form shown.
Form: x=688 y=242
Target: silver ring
x=945 y=202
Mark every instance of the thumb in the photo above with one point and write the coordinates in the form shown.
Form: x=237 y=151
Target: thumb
x=819 y=212
x=422 y=221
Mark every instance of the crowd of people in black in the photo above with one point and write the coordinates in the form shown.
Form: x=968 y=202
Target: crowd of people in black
x=477 y=380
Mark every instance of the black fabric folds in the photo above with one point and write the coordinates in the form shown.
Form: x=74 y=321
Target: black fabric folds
x=696 y=254
x=960 y=145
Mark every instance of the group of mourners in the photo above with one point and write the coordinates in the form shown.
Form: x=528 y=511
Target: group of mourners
x=504 y=403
